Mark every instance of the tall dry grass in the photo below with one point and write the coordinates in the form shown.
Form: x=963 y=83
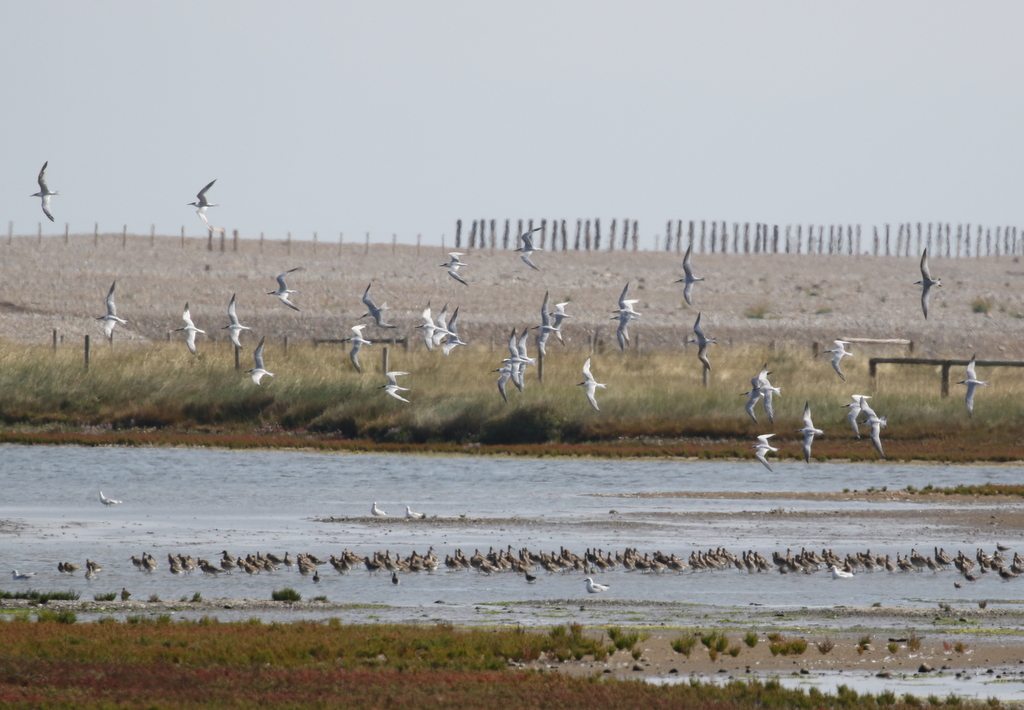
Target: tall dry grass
x=455 y=398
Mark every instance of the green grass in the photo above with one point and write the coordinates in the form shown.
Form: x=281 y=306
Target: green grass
x=34 y=595
x=285 y=595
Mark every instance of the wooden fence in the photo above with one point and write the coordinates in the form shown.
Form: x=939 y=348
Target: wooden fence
x=874 y=362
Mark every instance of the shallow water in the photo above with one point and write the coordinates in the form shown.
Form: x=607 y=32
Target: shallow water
x=201 y=502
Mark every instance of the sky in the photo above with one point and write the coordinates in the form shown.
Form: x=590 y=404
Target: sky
x=402 y=117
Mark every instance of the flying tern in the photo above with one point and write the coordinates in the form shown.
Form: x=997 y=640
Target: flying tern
x=546 y=326
x=762 y=447
x=689 y=280
x=877 y=424
x=557 y=316
x=258 y=371
x=429 y=328
x=838 y=353
x=702 y=342
x=591 y=384
x=972 y=382
x=453 y=265
x=201 y=204
x=373 y=311
x=44 y=193
x=505 y=372
x=358 y=341
x=111 y=319
x=235 y=327
x=452 y=340
x=392 y=387
x=283 y=291
x=527 y=249
x=926 y=282
x=190 y=330
x=808 y=431
x=854 y=414
x=441 y=330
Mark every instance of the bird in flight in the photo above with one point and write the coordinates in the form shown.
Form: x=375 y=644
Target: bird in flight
x=926 y=283
x=111 y=319
x=201 y=204
x=283 y=291
x=44 y=193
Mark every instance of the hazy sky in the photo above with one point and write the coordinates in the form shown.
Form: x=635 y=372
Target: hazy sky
x=398 y=117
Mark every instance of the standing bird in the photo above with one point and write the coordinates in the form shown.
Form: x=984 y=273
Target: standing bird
x=235 y=327
x=527 y=249
x=44 y=193
x=839 y=573
x=838 y=353
x=972 y=382
x=702 y=341
x=125 y=594
x=201 y=204
x=392 y=387
x=358 y=341
x=591 y=384
x=926 y=283
x=259 y=371
x=688 y=280
x=190 y=330
x=283 y=291
x=377 y=512
x=373 y=311
x=108 y=501
x=394 y=578
x=413 y=516
x=808 y=431
x=763 y=447
x=453 y=265
x=111 y=319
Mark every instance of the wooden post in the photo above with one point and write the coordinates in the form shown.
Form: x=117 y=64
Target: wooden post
x=314 y=242
x=597 y=234
x=394 y=241
x=238 y=364
x=945 y=378
x=858 y=240
x=418 y=244
x=234 y=240
x=261 y=242
x=286 y=346
x=504 y=239
x=124 y=237
x=586 y=236
x=494 y=232
x=182 y=236
x=54 y=338
x=366 y=249
x=341 y=240
x=223 y=239
x=384 y=359
x=636 y=235
x=39 y=237
x=579 y=229
x=87 y=353
x=10 y=231
x=209 y=239
x=152 y=236
x=96 y=234
x=458 y=234
x=289 y=243
x=65 y=232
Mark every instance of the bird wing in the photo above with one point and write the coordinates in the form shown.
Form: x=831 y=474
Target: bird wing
x=367 y=300
x=925 y=272
x=231 y=311
x=545 y=317
x=835 y=365
x=970 y=370
x=513 y=345
x=201 y=195
x=760 y=457
x=622 y=298
x=526 y=258
x=45 y=199
x=257 y=355
x=190 y=341
x=527 y=240
x=852 y=417
x=807 y=416
x=354 y=354
x=702 y=355
x=586 y=371
x=502 y=379
x=808 y=439
x=111 y=308
x=969 y=399
x=750 y=406
x=688 y=292
x=187 y=317
x=686 y=263
x=453 y=271
x=876 y=439
x=697 y=329
x=591 y=389
x=42 y=178
x=925 y=293
x=284 y=299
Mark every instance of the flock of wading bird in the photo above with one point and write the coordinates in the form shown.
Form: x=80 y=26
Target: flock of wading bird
x=443 y=332
x=526 y=562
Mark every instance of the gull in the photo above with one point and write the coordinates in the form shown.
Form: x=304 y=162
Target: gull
x=44 y=193
x=527 y=249
x=374 y=311
x=201 y=204
x=972 y=382
x=392 y=387
x=558 y=316
x=838 y=353
x=877 y=424
x=22 y=575
x=235 y=327
x=838 y=573
x=441 y=331
x=763 y=447
x=259 y=371
x=111 y=319
x=283 y=291
x=413 y=516
x=855 y=410
x=377 y=512
x=506 y=373
x=595 y=588
x=926 y=283
x=358 y=341
x=808 y=431
x=428 y=328
x=689 y=280
x=453 y=265
x=108 y=501
x=702 y=341
x=591 y=384
x=452 y=340
x=190 y=330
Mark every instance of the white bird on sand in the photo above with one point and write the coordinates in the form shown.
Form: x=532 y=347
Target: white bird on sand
x=392 y=387
x=702 y=342
x=377 y=512
x=190 y=330
x=452 y=340
x=44 y=193
x=453 y=265
x=413 y=516
x=428 y=327
x=855 y=410
x=283 y=291
x=595 y=588
x=926 y=282
x=235 y=327
x=877 y=424
x=591 y=384
x=527 y=249
x=358 y=341
x=557 y=316
x=108 y=501
x=259 y=371
x=808 y=431
x=838 y=353
x=111 y=319
x=972 y=382
x=763 y=447
x=22 y=575
x=201 y=204
x=839 y=573
x=689 y=280
x=505 y=373
x=373 y=311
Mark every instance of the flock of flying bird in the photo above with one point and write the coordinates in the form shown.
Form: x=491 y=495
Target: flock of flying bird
x=443 y=332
